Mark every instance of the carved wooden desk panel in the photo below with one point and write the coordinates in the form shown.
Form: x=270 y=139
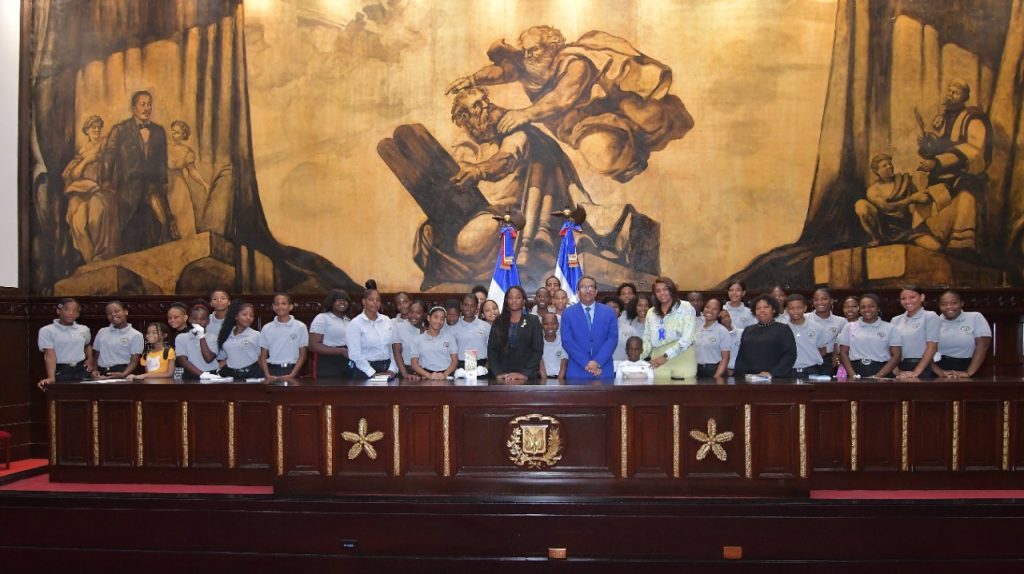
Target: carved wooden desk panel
x=918 y=435
x=161 y=432
x=602 y=440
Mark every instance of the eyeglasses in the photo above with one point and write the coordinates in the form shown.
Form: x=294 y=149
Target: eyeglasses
x=587 y=288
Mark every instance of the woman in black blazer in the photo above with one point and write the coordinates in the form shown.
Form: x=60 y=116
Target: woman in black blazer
x=516 y=344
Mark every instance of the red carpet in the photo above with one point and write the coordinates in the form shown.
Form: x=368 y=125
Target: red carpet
x=22 y=465
x=42 y=483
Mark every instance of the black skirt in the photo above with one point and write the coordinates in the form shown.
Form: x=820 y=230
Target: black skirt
x=280 y=370
x=911 y=364
x=954 y=363
x=378 y=367
x=65 y=373
x=331 y=367
x=826 y=368
x=707 y=370
x=112 y=369
x=250 y=372
x=867 y=368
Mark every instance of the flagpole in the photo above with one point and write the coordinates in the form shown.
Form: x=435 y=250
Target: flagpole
x=506 y=272
x=568 y=266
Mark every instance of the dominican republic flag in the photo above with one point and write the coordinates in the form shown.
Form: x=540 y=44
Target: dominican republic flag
x=506 y=274
x=568 y=268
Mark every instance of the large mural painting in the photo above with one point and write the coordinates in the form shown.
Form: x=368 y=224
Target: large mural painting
x=598 y=96
x=307 y=144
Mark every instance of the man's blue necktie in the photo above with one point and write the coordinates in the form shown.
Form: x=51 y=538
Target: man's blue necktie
x=590 y=319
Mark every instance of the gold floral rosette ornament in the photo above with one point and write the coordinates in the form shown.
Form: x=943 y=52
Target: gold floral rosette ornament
x=712 y=441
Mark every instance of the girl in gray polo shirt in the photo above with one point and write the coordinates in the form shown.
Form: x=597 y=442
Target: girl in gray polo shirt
x=435 y=353
x=117 y=347
x=239 y=343
x=284 y=342
x=187 y=350
x=65 y=346
x=471 y=332
x=965 y=338
x=870 y=347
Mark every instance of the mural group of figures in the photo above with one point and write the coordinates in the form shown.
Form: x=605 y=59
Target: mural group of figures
x=134 y=188
x=598 y=112
x=598 y=95
x=955 y=152
x=610 y=103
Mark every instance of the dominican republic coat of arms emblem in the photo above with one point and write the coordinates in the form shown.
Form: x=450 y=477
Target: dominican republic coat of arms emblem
x=535 y=441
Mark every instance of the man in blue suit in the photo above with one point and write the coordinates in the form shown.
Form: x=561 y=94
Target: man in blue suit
x=589 y=332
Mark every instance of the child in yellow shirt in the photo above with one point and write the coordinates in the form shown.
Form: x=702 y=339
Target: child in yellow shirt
x=158 y=358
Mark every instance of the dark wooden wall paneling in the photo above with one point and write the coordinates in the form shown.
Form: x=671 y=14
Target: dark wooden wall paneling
x=18 y=403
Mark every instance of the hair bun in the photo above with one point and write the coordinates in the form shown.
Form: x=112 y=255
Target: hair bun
x=371 y=284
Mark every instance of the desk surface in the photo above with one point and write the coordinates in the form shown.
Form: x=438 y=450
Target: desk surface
x=534 y=384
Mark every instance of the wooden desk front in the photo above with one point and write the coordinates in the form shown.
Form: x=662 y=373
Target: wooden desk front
x=306 y=436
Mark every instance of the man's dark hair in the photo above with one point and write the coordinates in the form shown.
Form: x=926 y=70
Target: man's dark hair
x=139 y=94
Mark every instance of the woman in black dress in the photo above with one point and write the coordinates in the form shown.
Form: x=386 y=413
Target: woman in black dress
x=516 y=343
x=767 y=347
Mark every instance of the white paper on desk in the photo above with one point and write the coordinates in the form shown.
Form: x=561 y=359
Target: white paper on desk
x=106 y=380
x=214 y=378
x=256 y=380
x=379 y=379
x=757 y=378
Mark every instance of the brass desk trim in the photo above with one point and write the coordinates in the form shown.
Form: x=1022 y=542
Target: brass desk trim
x=803 y=440
x=329 y=443
x=140 y=461
x=396 y=415
x=1006 y=435
x=676 y=445
x=280 y=440
x=446 y=440
x=748 y=448
x=904 y=434
x=624 y=441
x=95 y=433
x=184 y=434
x=853 y=435
x=956 y=435
x=231 y=434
